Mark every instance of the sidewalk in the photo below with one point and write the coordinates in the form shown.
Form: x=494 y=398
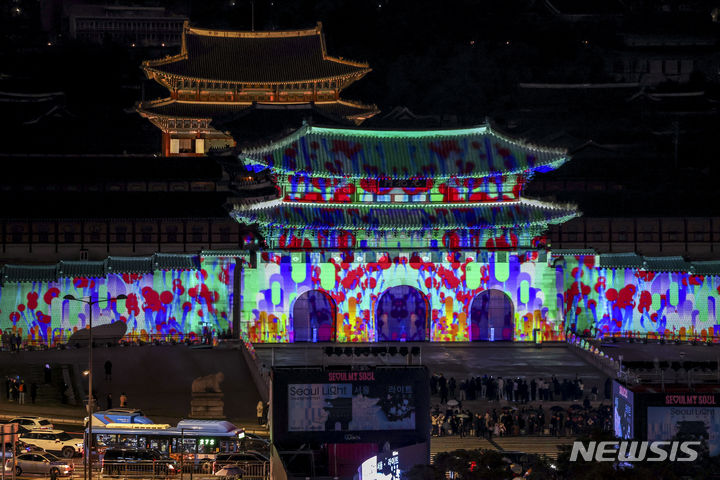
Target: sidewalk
x=156 y=379
x=56 y=413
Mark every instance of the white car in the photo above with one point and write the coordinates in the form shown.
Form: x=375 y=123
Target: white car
x=43 y=463
x=54 y=440
x=33 y=423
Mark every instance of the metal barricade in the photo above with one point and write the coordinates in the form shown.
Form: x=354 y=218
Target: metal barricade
x=159 y=470
x=256 y=470
x=251 y=470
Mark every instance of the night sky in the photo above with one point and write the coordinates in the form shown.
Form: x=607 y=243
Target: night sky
x=462 y=61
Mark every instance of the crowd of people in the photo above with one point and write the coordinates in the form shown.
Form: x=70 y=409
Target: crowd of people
x=11 y=341
x=207 y=336
x=523 y=420
x=522 y=414
x=16 y=389
x=513 y=389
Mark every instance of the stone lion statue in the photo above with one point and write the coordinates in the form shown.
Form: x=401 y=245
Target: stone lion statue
x=208 y=383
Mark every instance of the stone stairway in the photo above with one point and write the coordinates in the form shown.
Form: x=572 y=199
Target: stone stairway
x=46 y=392
x=450 y=443
x=530 y=444
x=547 y=446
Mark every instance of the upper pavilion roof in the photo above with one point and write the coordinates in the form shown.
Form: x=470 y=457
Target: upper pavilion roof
x=269 y=57
x=278 y=214
x=354 y=153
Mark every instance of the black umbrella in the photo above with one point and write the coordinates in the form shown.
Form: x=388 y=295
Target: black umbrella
x=575 y=406
x=557 y=408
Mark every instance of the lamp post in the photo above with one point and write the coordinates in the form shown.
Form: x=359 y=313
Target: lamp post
x=90 y=303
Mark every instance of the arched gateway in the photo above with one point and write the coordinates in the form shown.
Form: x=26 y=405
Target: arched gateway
x=313 y=318
x=401 y=315
x=491 y=316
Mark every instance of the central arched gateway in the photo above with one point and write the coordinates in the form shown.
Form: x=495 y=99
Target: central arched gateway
x=401 y=315
x=314 y=315
x=492 y=316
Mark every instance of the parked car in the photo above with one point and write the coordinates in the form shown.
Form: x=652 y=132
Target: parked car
x=33 y=423
x=8 y=450
x=54 y=441
x=43 y=463
x=240 y=459
x=124 y=461
x=20 y=447
x=256 y=443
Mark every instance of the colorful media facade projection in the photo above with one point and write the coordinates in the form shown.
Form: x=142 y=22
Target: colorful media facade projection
x=390 y=236
x=464 y=296
x=175 y=304
x=320 y=296
x=417 y=236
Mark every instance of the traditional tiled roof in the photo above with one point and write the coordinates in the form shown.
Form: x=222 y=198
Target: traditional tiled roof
x=561 y=252
x=81 y=268
x=466 y=152
x=102 y=206
x=347 y=109
x=651 y=264
x=666 y=264
x=100 y=268
x=706 y=268
x=224 y=253
x=172 y=108
x=172 y=261
x=621 y=260
x=129 y=264
x=169 y=107
x=29 y=273
x=278 y=214
x=256 y=57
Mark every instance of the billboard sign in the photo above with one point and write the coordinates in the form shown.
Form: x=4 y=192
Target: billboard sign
x=623 y=411
x=391 y=464
x=665 y=423
x=350 y=405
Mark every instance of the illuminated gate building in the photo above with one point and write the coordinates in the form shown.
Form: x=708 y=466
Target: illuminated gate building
x=375 y=236
x=401 y=236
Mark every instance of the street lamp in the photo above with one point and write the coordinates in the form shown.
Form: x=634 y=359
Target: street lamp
x=90 y=303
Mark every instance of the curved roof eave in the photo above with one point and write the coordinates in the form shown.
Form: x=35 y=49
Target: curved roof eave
x=251 y=221
x=357 y=74
x=252 y=214
x=257 y=155
x=358 y=176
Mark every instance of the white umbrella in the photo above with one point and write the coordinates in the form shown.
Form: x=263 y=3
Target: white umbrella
x=452 y=403
x=230 y=471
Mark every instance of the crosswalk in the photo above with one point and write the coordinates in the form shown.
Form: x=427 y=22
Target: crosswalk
x=547 y=446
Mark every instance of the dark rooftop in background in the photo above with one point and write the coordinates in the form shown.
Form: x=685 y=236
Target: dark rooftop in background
x=19 y=170
x=107 y=205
